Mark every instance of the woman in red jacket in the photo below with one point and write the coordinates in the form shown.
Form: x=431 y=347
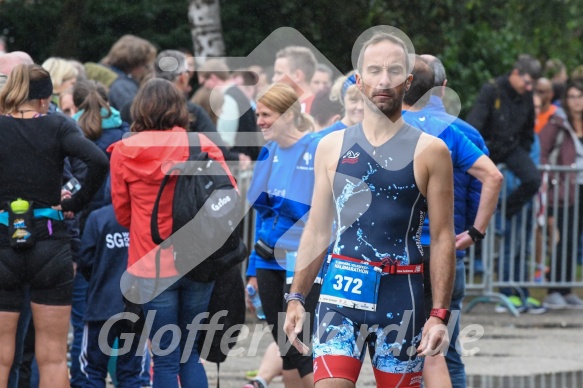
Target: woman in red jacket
x=138 y=164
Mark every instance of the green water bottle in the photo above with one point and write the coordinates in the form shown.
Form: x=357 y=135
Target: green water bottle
x=20 y=206
x=21 y=224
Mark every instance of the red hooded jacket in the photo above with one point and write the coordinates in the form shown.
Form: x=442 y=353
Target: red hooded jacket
x=138 y=164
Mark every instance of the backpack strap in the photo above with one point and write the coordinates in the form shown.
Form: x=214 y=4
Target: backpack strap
x=194 y=147
x=154 y=230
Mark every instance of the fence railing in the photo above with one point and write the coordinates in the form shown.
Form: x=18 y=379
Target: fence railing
x=539 y=247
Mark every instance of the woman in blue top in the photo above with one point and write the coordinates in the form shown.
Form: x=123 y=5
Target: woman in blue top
x=281 y=192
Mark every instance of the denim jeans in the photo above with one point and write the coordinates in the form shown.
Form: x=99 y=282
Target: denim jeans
x=175 y=307
x=453 y=357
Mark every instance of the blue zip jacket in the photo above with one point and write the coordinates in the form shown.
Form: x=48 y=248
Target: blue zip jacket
x=463 y=154
x=104 y=253
x=472 y=195
x=281 y=191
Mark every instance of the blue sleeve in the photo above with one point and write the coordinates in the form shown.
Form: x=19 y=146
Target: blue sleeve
x=464 y=153
x=88 y=248
x=473 y=201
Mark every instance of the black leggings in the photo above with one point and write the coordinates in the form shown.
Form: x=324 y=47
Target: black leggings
x=47 y=267
x=272 y=287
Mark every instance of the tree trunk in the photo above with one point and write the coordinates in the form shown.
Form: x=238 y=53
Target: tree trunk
x=206 y=30
x=70 y=28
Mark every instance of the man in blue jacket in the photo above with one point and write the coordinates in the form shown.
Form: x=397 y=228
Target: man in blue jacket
x=468 y=161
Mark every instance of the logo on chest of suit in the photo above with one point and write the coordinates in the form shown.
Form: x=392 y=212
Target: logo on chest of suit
x=307 y=158
x=275 y=159
x=351 y=157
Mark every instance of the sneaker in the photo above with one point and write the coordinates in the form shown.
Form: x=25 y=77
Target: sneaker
x=534 y=307
x=256 y=383
x=573 y=301
x=516 y=302
x=555 y=301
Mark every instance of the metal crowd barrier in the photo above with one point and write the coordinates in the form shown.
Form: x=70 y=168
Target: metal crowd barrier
x=527 y=244
x=516 y=238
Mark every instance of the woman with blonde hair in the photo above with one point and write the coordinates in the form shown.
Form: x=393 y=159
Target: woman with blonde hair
x=280 y=192
x=34 y=241
x=345 y=91
x=63 y=74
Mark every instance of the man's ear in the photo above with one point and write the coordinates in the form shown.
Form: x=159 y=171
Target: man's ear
x=408 y=81
x=359 y=83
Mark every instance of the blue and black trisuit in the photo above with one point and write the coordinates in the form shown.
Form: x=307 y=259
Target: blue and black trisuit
x=372 y=294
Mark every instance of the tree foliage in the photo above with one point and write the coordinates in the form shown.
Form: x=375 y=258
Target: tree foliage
x=476 y=39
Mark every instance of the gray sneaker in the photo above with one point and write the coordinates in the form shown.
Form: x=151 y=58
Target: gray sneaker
x=555 y=301
x=573 y=301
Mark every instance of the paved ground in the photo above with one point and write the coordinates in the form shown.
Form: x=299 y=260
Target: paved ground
x=527 y=351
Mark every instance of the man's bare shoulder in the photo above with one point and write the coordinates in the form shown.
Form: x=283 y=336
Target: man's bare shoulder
x=430 y=146
x=330 y=146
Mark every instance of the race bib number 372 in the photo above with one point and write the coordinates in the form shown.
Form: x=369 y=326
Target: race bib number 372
x=351 y=284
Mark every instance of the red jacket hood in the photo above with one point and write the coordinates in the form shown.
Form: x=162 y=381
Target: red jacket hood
x=144 y=152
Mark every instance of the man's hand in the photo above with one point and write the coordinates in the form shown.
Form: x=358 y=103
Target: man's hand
x=244 y=162
x=294 y=322
x=463 y=241
x=435 y=338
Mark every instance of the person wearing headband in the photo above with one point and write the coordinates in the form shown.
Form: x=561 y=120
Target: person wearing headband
x=33 y=148
x=345 y=91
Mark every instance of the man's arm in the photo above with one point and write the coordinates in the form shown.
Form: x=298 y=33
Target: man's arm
x=435 y=168
x=316 y=235
x=480 y=113
x=491 y=178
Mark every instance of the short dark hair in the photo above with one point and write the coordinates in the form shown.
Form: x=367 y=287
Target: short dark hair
x=323 y=108
x=423 y=80
x=159 y=105
x=526 y=64
x=381 y=37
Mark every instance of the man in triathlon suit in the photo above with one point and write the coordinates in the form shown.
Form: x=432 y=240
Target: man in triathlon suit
x=378 y=180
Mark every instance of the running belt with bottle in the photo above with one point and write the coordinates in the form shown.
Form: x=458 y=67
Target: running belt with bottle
x=374 y=275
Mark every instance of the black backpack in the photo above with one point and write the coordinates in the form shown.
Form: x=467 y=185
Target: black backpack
x=206 y=213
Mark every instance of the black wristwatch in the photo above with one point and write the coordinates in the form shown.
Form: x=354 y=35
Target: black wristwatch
x=476 y=235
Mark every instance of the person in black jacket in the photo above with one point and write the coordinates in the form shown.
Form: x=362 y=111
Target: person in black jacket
x=33 y=146
x=504 y=115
